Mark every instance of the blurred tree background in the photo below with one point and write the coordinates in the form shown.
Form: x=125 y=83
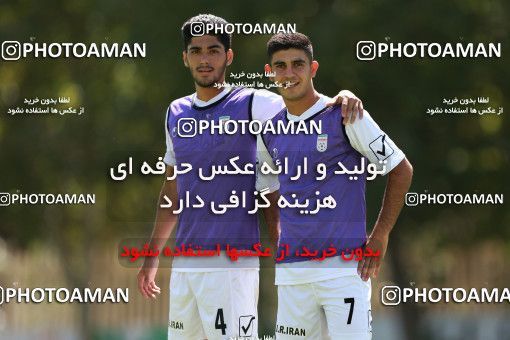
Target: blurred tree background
x=125 y=102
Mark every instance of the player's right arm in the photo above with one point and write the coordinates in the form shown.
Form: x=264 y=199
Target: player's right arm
x=272 y=218
x=163 y=226
x=368 y=139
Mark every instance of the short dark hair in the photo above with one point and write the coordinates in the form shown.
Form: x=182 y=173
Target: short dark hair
x=284 y=41
x=205 y=19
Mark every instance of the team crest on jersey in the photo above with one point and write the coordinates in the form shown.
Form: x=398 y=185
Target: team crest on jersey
x=322 y=142
x=223 y=119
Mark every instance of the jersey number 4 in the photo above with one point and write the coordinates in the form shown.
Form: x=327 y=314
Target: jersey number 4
x=220 y=322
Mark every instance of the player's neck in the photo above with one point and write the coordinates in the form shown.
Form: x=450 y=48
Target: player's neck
x=298 y=107
x=207 y=93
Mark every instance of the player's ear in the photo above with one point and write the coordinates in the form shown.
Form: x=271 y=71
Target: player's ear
x=230 y=56
x=185 y=58
x=267 y=69
x=314 y=67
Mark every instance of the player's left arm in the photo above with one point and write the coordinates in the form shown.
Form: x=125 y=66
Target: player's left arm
x=399 y=181
x=373 y=143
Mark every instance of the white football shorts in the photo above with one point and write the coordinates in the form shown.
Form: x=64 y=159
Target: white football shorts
x=337 y=308
x=214 y=305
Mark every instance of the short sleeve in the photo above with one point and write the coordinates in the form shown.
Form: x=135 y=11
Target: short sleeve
x=368 y=139
x=266 y=105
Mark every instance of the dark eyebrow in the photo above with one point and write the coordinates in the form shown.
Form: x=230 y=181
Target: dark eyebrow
x=213 y=46
x=278 y=62
x=298 y=60
x=194 y=48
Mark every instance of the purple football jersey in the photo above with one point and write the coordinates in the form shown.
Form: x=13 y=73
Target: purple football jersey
x=200 y=226
x=342 y=227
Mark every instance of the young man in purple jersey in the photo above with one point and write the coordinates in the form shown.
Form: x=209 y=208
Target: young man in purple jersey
x=322 y=294
x=213 y=297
